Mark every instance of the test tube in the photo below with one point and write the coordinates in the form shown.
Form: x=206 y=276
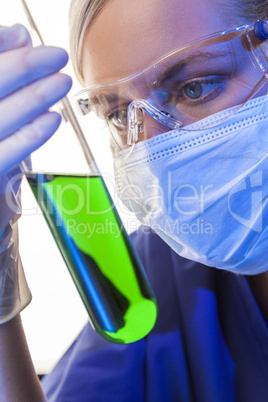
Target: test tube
x=105 y=268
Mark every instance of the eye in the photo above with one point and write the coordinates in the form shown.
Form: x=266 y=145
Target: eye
x=118 y=119
x=196 y=98
x=196 y=90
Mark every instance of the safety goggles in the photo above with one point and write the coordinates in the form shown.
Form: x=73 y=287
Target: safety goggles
x=185 y=86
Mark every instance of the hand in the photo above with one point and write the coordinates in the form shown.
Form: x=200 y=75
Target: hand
x=30 y=82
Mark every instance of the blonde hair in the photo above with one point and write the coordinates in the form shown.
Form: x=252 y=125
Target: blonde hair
x=81 y=14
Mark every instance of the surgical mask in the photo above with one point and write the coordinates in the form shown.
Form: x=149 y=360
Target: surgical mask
x=205 y=191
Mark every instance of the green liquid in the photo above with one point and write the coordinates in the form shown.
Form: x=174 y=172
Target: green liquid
x=100 y=258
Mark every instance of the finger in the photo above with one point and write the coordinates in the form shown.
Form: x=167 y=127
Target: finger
x=23 y=142
x=24 y=105
x=21 y=66
x=14 y=37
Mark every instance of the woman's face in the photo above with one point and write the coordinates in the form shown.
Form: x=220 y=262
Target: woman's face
x=128 y=35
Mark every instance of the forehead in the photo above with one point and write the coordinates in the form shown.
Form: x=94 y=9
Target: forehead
x=128 y=35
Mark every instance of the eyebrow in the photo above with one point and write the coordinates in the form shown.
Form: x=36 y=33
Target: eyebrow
x=167 y=75
x=109 y=98
x=179 y=65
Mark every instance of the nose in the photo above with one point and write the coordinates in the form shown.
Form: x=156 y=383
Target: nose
x=146 y=121
x=151 y=128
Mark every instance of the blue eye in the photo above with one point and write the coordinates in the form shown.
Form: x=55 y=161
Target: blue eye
x=118 y=119
x=196 y=90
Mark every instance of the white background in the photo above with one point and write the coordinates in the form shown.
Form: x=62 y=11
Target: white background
x=56 y=314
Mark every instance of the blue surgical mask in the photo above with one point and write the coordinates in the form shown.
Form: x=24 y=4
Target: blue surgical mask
x=205 y=191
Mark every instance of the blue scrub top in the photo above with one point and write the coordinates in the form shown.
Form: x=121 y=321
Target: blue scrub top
x=210 y=342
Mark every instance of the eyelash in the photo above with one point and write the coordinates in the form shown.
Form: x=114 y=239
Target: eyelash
x=220 y=80
x=112 y=115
